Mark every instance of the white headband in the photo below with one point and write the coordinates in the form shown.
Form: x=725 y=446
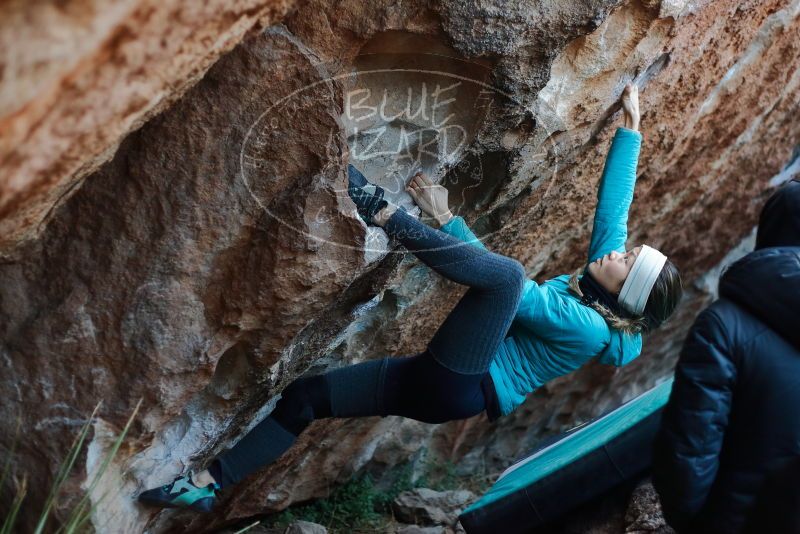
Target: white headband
x=640 y=281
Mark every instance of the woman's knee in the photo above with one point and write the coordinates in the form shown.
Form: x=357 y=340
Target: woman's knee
x=304 y=400
x=513 y=275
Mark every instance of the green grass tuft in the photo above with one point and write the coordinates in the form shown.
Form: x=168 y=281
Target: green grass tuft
x=359 y=505
x=80 y=515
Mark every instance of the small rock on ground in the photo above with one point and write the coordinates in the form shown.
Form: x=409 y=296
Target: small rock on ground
x=423 y=506
x=644 y=513
x=416 y=529
x=306 y=527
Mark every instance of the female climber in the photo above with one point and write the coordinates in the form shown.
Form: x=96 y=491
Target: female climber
x=506 y=337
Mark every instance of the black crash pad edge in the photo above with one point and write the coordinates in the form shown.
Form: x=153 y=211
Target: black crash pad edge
x=624 y=458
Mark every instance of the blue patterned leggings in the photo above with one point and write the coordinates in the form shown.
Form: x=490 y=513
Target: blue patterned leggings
x=445 y=382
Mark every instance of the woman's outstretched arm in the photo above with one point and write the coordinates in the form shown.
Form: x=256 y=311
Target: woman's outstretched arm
x=615 y=194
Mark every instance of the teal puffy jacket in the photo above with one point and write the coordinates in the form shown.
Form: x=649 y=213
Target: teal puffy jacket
x=553 y=333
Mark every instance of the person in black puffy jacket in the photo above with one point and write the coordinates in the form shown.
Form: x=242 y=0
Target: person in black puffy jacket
x=733 y=416
x=777 y=508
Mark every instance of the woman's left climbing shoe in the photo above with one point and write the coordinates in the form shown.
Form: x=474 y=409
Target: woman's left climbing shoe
x=367 y=197
x=181 y=493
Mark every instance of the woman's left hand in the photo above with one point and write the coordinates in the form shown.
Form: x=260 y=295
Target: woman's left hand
x=430 y=197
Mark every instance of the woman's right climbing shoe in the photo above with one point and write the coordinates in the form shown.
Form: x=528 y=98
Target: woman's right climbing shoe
x=181 y=493
x=367 y=197
x=354 y=177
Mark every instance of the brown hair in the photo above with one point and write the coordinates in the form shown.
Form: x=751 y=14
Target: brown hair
x=663 y=299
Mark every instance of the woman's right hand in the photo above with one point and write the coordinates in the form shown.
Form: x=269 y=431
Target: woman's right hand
x=630 y=104
x=431 y=198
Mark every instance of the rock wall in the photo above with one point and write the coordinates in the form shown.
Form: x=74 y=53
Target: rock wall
x=215 y=257
x=78 y=76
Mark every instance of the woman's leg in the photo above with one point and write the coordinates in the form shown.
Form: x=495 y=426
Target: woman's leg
x=468 y=339
x=417 y=387
x=438 y=385
x=350 y=391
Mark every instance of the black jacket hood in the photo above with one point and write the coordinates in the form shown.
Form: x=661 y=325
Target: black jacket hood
x=779 y=223
x=766 y=283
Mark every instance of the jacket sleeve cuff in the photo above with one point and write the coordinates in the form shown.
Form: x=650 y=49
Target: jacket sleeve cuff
x=449 y=225
x=623 y=132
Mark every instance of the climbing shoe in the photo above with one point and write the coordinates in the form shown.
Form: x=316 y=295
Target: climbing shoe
x=354 y=177
x=367 y=197
x=181 y=493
